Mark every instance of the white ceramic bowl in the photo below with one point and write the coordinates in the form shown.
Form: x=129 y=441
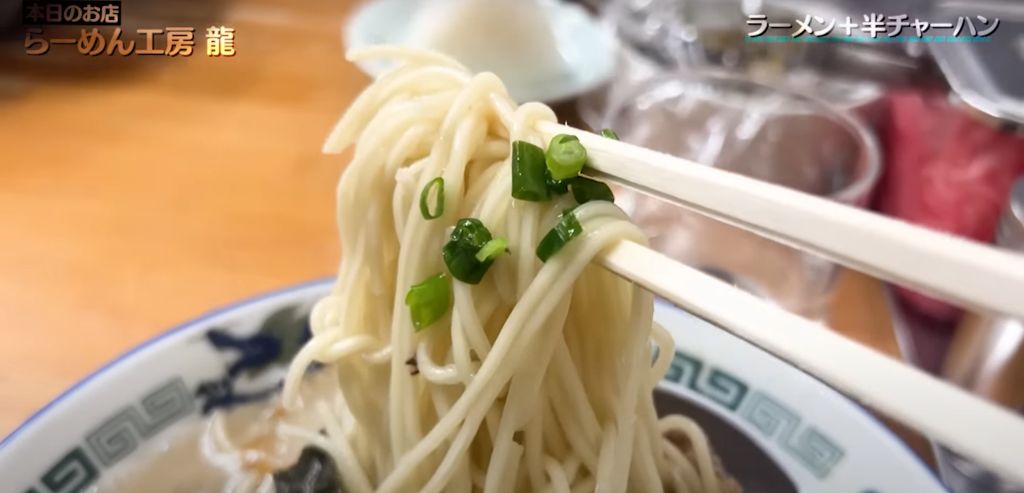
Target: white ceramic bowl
x=776 y=428
x=587 y=45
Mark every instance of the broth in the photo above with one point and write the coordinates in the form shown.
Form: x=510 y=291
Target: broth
x=186 y=460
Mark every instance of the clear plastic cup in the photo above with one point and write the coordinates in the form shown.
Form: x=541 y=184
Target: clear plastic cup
x=762 y=131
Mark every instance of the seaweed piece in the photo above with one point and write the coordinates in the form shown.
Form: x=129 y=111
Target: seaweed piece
x=315 y=472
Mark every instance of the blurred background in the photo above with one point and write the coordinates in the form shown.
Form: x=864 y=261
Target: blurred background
x=135 y=189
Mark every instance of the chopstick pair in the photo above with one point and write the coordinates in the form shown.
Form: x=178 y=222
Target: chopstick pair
x=976 y=276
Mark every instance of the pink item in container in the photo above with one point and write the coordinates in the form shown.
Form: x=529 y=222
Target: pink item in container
x=946 y=171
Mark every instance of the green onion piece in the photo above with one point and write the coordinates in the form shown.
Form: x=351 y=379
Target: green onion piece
x=460 y=253
x=568 y=227
x=471 y=231
x=555 y=187
x=584 y=190
x=428 y=301
x=528 y=180
x=609 y=133
x=425 y=195
x=492 y=249
x=565 y=157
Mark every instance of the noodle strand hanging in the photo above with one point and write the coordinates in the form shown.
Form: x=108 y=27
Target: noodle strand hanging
x=538 y=376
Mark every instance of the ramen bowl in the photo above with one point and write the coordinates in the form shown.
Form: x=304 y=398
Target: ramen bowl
x=775 y=428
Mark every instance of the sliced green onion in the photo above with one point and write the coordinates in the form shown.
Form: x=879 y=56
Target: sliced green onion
x=460 y=253
x=609 y=133
x=528 y=180
x=428 y=301
x=492 y=249
x=568 y=227
x=425 y=195
x=584 y=190
x=565 y=156
x=471 y=231
x=555 y=187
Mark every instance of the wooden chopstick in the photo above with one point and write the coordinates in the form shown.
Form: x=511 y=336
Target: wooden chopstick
x=970 y=425
x=973 y=275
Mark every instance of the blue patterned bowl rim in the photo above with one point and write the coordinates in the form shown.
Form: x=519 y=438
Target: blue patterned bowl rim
x=278 y=292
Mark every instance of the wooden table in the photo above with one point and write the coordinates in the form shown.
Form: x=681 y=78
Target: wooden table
x=138 y=194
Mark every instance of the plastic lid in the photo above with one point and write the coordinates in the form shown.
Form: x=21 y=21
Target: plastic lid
x=984 y=72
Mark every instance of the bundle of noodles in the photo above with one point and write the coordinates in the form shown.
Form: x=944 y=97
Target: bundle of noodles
x=528 y=370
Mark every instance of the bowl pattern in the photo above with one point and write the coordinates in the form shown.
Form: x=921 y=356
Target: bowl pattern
x=116 y=438
x=239 y=354
x=774 y=420
x=267 y=349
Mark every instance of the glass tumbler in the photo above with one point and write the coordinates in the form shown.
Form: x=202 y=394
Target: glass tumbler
x=986 y=357
x=766 y=132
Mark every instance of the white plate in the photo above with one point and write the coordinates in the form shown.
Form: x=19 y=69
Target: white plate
x=587 y=45
x=750 y=403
